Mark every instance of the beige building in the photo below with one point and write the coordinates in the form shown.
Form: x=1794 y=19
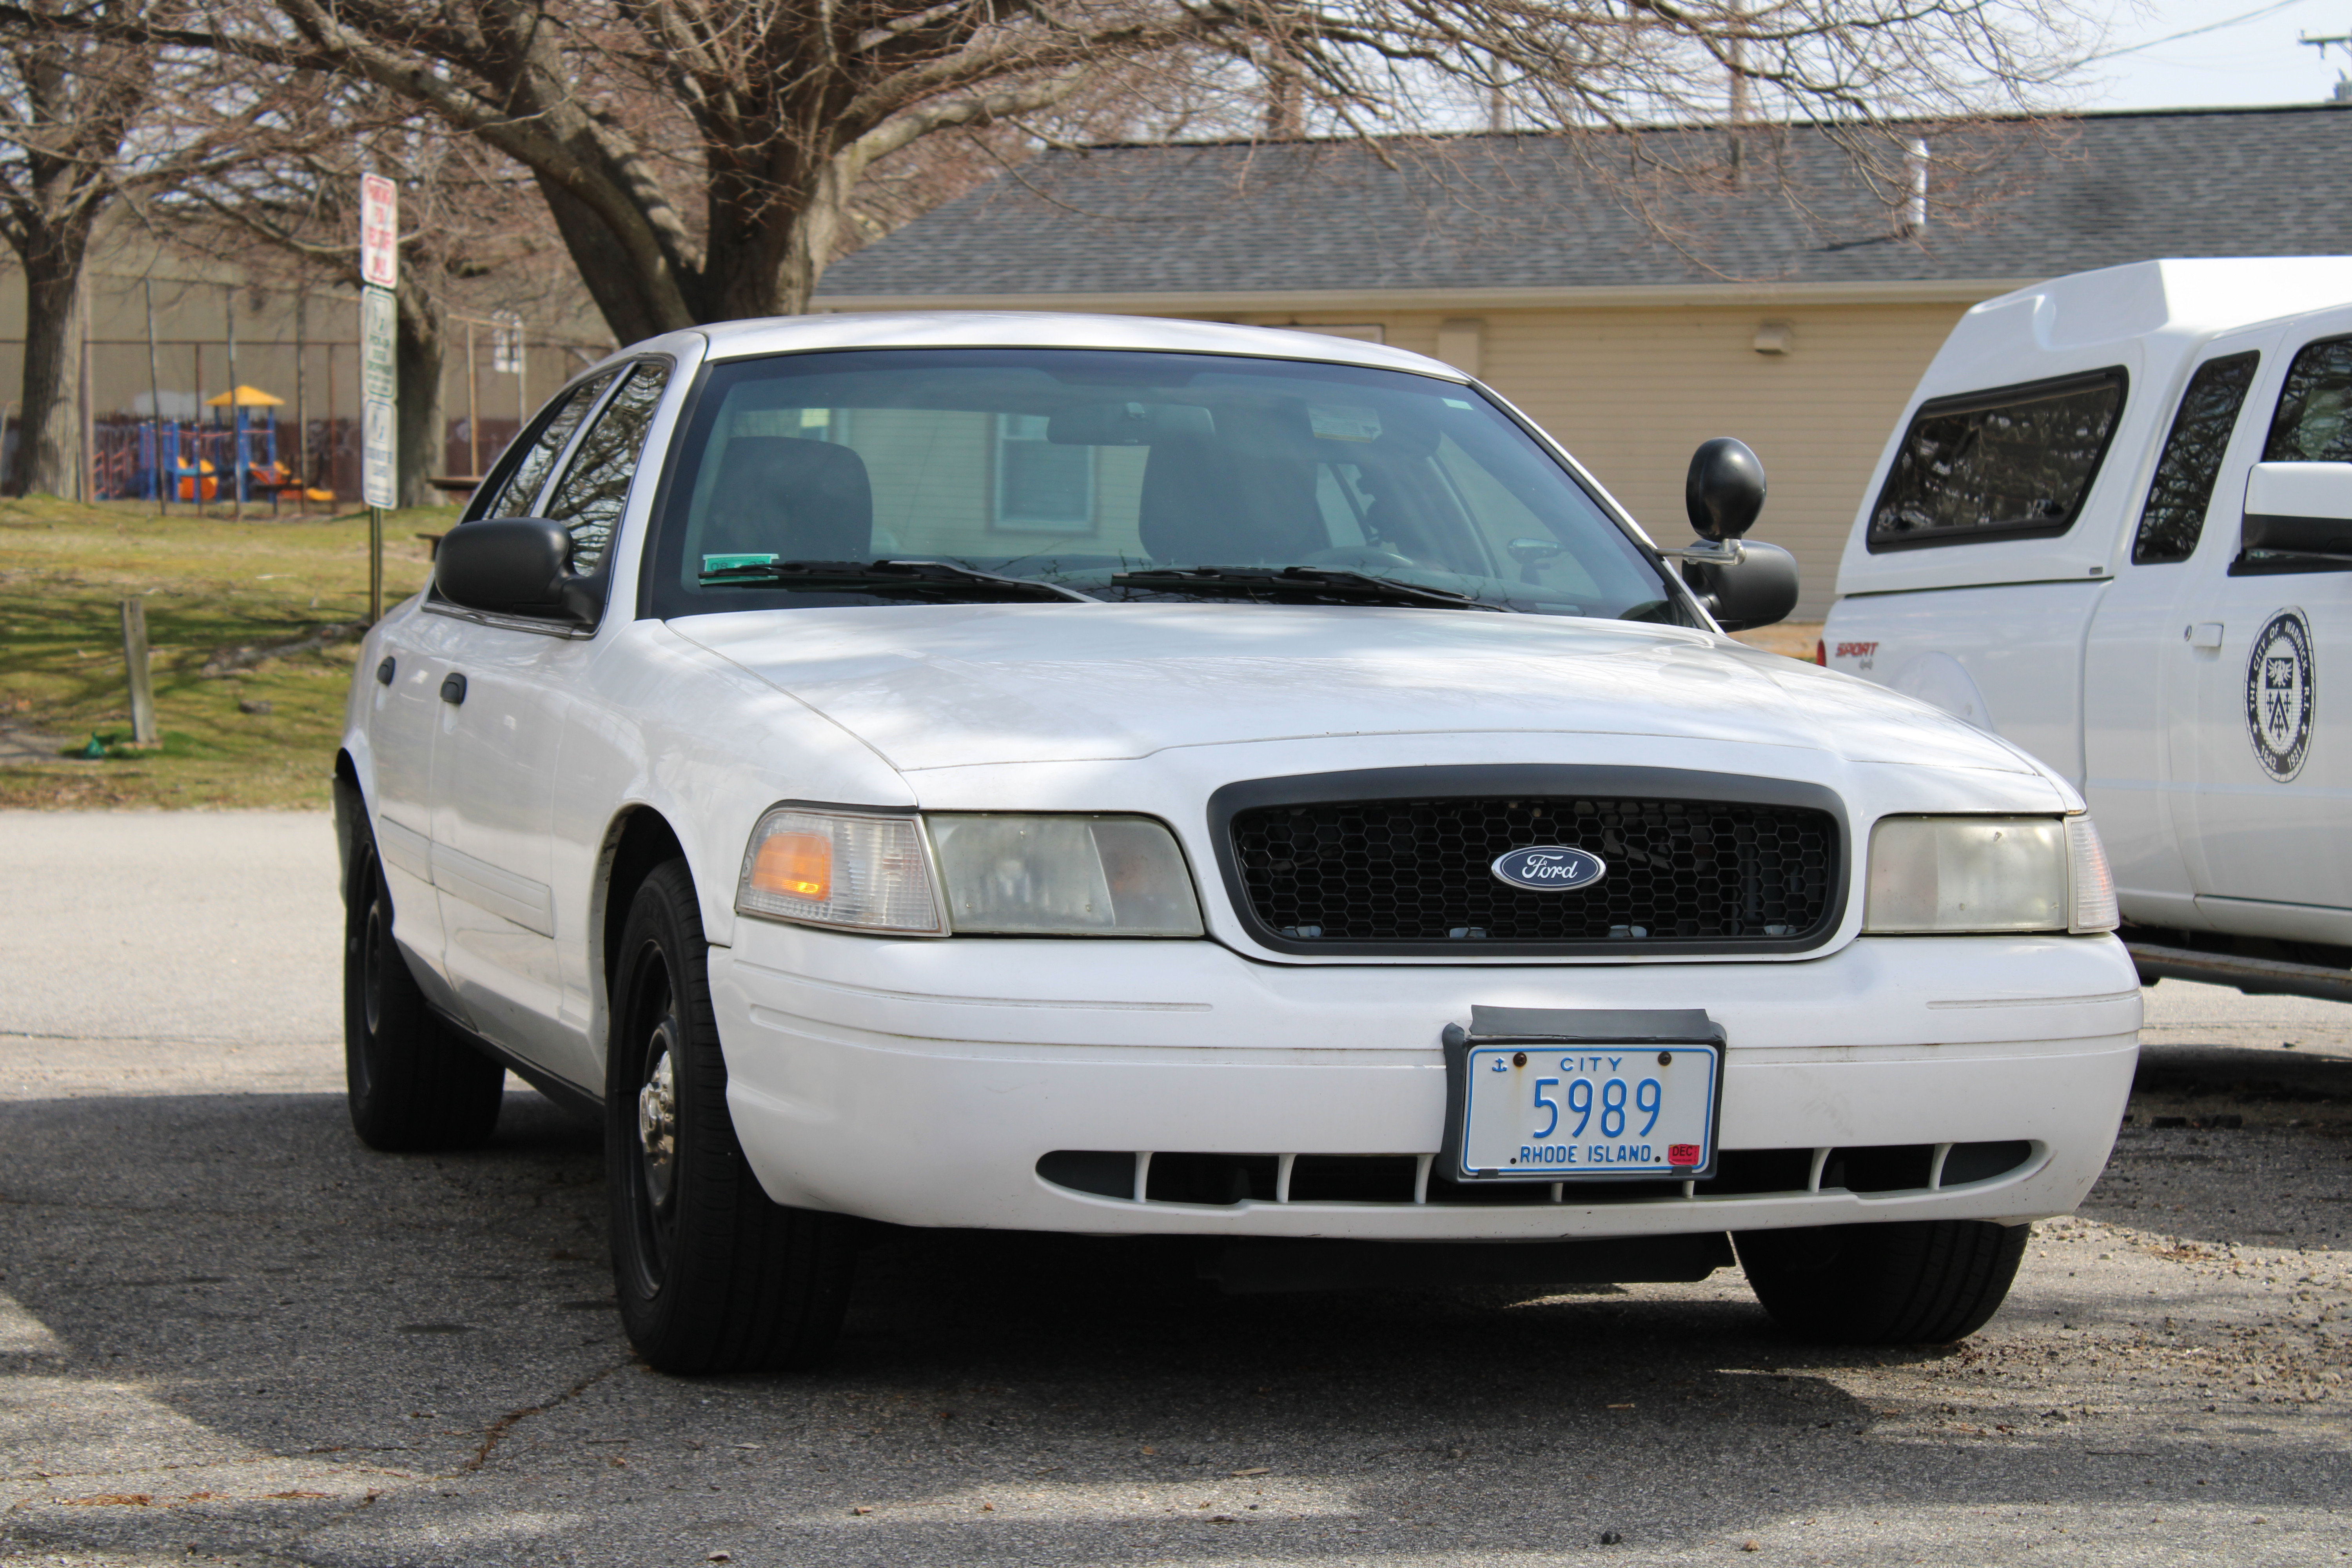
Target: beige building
x=1802 y=331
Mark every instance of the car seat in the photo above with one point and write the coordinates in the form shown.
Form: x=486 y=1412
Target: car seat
x=1244 y=496
x=805 y=500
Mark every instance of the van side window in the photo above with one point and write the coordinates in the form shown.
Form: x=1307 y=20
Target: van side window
x=596 y=486
x=2314 y=422
x=520 y=486
x=2013 y=462
x=2183 y=487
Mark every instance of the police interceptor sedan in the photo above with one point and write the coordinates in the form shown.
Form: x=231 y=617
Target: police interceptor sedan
x=1157 y=778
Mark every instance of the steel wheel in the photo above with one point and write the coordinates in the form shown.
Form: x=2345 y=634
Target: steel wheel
x=710 y=1274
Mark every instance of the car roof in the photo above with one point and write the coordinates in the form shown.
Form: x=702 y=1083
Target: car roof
x=1052 y=328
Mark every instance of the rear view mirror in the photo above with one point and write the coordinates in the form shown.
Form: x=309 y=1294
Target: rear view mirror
x=516 y=566
x=1126 y=424
x=1756 y=588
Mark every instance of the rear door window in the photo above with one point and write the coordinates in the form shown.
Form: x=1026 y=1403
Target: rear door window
x=2013 y=462
x=514 y=491
x=2314 y=420
x=595 y=488
x=2183 y=487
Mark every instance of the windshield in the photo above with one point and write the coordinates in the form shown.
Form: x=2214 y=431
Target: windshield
x=1123 y=476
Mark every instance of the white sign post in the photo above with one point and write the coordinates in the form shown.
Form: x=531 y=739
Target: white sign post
x=379 y=368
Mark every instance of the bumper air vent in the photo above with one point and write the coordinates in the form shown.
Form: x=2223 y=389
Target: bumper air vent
x=1226 y=1181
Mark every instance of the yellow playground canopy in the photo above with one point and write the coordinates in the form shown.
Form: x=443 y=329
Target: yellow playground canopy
x=245 y=397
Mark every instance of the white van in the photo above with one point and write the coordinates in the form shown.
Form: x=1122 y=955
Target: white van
x=2115 y=526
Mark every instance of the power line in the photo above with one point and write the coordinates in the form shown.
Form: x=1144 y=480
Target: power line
x=2191 y=33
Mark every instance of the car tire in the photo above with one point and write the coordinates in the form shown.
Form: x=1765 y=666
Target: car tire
x=413 y=1082
x=712 y=1276
x=1916 y=1282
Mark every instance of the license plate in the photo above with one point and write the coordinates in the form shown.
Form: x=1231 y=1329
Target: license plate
x=1559 y=1113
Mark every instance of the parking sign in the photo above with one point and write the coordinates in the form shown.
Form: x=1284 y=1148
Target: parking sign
x=379 y=232
x=379 y=397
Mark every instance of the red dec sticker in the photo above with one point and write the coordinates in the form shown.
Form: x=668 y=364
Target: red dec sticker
x=1682 y=1153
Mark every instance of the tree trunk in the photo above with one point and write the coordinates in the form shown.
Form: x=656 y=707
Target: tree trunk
x=630 y=308
x=50 y=453
x=812 y=231
x=421 y=341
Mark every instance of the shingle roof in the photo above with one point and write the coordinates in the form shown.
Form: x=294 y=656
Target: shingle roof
x=2011 y=200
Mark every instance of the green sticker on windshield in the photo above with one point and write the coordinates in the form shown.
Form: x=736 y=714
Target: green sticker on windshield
x=1343 y=422
x=737 y=563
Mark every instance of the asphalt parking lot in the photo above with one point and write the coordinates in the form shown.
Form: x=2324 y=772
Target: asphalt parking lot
x=230 y=1333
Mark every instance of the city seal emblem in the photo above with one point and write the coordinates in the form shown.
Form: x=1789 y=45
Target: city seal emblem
x=2281 y=694
x=1549 y=869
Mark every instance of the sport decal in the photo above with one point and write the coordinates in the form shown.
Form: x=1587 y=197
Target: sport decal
x=2280 y=694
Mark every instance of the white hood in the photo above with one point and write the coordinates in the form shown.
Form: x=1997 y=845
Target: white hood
x=951 y=686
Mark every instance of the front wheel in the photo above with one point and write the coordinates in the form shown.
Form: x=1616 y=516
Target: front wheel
x=1914 y=1283
x=711 y=1274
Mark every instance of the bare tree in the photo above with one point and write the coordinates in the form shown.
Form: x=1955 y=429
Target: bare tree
x=699 y=157
x=82 y=124
x=466 y=215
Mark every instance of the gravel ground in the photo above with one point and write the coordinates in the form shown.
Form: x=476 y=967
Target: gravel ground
x=229 y=1333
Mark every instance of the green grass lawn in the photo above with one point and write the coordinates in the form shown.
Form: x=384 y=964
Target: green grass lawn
x=212 y=587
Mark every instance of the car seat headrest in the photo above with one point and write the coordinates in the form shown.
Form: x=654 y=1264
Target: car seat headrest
x=805 y=500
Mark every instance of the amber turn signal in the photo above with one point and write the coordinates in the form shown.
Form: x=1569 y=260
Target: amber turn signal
x=797 y=865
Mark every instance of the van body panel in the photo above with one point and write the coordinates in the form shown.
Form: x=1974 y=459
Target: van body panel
x=2183 y=692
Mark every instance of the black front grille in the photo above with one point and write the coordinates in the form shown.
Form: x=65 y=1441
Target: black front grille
x=1416 y=871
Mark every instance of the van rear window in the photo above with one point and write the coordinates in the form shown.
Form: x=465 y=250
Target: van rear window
x=2009 y=463
x=2183 y=485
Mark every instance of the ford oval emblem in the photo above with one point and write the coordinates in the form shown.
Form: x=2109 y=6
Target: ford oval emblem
x=1549 y=869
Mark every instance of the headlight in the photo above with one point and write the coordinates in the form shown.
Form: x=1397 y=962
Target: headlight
x=1063 y=876
x=839 y=869
x=1966 y=874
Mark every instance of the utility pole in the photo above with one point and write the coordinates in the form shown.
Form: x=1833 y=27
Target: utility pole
x=473 y=409
x=299 y=471
x=235 y=414
x=2343 y=83
x=86 y=482
x=1737 y=68
x=162 y=482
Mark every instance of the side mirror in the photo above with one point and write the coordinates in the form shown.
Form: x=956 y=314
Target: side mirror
x=516 y=566
x=1757 y=589
x=1725 y=490
x=2298 y=518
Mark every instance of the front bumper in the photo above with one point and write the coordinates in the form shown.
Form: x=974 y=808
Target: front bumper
x=919 y=1083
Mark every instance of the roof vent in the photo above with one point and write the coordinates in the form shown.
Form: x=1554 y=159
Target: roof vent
x=1915 y=206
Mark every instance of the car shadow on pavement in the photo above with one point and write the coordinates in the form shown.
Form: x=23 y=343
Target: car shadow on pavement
x=287 y=1342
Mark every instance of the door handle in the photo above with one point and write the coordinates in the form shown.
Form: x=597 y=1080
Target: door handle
x=2205 y=635
x=384 y=672
x=453 y=687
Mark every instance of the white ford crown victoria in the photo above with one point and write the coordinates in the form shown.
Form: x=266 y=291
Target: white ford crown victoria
x=1158 y=778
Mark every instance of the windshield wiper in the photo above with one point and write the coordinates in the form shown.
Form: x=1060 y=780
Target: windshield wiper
x=930 y=579
x=1295 y=586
